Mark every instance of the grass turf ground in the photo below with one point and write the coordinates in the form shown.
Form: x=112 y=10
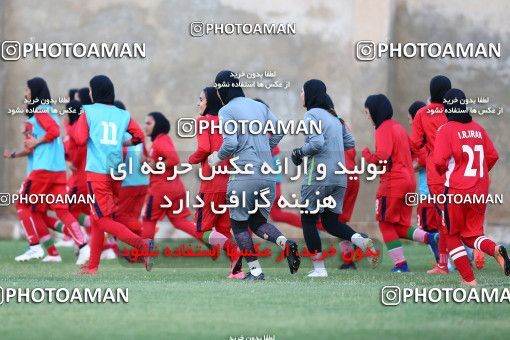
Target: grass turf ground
x=199 y=303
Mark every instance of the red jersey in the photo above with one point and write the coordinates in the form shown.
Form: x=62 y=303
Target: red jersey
x=466 y=154
x=423 y=133
x=392 y=145
x=76 y=155
x=162 y=146
x=208 y=143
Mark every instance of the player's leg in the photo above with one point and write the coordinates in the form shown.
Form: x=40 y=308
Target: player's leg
x=442 y=265
x=394 y=246
x=346 y=247
x=45 y=237
x=313 y=244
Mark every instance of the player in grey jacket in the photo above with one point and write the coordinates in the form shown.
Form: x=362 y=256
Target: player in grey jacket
x=324 y=150
x=252 y=149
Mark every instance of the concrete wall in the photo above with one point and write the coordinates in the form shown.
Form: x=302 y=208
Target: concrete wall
x=178 y=66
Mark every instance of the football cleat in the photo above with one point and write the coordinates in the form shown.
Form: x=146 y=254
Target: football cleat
x=33 y=252
x=292 y=255
x=318 y=273
x=479 y=259
x=402 y=268
x=83 y=255
x=501 y=256
x=438 y=270
x=251 y=277
x=49 y=258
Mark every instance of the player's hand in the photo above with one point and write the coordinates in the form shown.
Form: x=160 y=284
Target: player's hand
x=297 y=156
x=213 y=159
x=7 y=153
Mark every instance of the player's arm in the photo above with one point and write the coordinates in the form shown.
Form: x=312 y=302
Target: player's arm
x=81 y=134
x=315 y=141
x=203 y=149
x=349 y=142
x=383 y=147
x=417 y=133
x=491 y=154
x=230 y=141
x=136 y=132
x=442 y=151
x=274 y=139
x=49 y=125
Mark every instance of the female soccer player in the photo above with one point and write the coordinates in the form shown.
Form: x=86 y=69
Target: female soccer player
x=466 y=153
x=47 y=165
x=323 y=150
x=214 y=191
x=392 y=147
x=162 y=149
x=102 y=127
x=253 y=149
x=423 y=134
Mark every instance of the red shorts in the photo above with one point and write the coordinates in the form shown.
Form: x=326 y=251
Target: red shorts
x=351 y=193
x=41 y=182
x=463 y=219
x=106 y=193
x=206 y=219
x=78 y=208
x=393 y=210
x=427 y=216
x=153 y=210
x=131 y=200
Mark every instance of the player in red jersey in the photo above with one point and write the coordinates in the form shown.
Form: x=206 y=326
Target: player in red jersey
x=102 y=127
x=161 y=187
x=423 y=134
x=465 y=153
x=214 y=191
x=393 y=150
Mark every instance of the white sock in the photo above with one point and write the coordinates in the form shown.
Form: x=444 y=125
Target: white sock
x=255 y=268
x=359 y=241
x=281 y=241
x=318 y=264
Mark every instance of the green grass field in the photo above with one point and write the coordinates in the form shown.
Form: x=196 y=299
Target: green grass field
x=196 y=303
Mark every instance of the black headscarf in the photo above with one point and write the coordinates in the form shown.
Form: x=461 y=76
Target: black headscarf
x=38 y=91
x=316 y=96
x=72 y=93
x=261 y=101
x=379 y=107
x=84 y=96
x=415 y=107
x=119 y=104
x=213 y=101
x=102 y=90
x=455 y=107
x=231 y=90
x=161 y=124
x=75 y=107
x=439 y=85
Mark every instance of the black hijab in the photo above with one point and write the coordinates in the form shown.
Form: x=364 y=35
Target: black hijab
x=439 y=85
x=213 y=101
x=379 y=107
x=119 y=104
x=74 y=107
x=231 y=90
x=72 y=93
x=415 y=107
x=455 y=107
x=84 y=96
x=38 y=91
x=102 y=90
x=161 y=124
x=316 y=96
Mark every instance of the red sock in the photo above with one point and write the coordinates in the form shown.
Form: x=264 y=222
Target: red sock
x=72 y=226
x=185 y=225
x=442 y=248
x=459 y=256
x=25 y=217
x=482 y=243
x=43 y=232
x=120 y=231
x=96 y=245
x=148 y=229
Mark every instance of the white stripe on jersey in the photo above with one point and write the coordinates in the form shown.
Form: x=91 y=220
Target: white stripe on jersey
x=451 y=166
